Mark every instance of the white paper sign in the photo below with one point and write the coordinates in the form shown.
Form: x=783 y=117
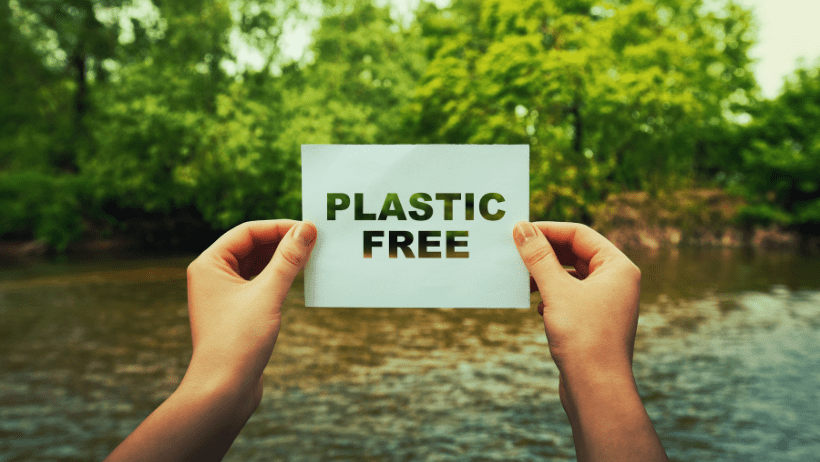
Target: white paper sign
x=419 y=226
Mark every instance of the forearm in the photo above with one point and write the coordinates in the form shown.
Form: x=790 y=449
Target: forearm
x=199 y=421
x=609 y=421
x=572 y=416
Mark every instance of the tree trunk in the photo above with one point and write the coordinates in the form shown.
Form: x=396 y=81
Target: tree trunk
x=78 y=136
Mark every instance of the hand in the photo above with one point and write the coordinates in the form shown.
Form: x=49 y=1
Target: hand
x=235 y=294
x=590 y=313
x=590 y=319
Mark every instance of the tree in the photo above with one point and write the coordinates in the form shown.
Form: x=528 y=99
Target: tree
x=83 y=43
x=781 y=154
x=608 y=96
x=50 y=51
x=177 y=132
x=33 y=98
x=363 y=71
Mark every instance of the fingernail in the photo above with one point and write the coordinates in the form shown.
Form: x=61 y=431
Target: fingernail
x=524 y=231
x=304 y=233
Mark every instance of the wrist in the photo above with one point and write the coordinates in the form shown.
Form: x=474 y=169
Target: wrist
x=590 y=381
x=603 y=395
x=608 y=418
x=587 y=383
x=233 y=395
x=588 y=360
x=596 y=368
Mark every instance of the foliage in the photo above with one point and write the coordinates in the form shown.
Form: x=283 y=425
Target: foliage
x=781 y=155
x=34 y=101
x=74 y=44
x=40 y=206
x=177 y=131
x=363 y=71
x=116 y=111
x=608 y=95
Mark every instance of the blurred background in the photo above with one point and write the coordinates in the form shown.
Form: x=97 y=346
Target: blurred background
x=168 y=122
x=133 y=132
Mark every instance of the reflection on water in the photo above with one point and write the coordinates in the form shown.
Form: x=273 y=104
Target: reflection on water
x=727 y=361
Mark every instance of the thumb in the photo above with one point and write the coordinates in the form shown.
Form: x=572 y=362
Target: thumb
x=290 y=256
x=538 y=255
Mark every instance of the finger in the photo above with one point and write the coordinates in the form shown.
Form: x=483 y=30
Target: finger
x=589 y=249
x=236 y=245
x=291 y=256
x=537 y=254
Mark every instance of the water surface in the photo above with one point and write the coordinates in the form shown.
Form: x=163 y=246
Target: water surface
x=727 y=362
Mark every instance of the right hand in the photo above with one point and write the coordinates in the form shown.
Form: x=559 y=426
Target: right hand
x=590 y=317
x=591 y=313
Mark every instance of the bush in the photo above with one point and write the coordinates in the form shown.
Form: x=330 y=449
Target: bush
x=781 y=158
x=40 y=206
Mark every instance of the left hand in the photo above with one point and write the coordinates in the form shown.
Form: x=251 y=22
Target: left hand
x=235 y=294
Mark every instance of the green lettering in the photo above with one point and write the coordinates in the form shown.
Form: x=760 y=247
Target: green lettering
x=416 y=201
x=425 y=243
x=452 y=243
x=336 y=201
x=469 y=206
x=404 y=244
x=359 y=205
x=448 y=199
x=484 y=203
x=392 y=207
x=369 y=243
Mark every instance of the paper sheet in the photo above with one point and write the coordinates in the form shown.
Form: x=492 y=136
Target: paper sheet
x=415 y=225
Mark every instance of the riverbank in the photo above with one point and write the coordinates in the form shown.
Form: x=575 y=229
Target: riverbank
x=704 y=217
x=86 y=249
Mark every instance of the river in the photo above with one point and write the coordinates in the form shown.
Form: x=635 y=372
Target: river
x=727 y=362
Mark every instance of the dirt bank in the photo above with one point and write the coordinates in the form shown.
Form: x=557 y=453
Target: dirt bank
x=692 y=217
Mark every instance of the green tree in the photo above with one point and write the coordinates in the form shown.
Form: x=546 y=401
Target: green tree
x=608 y=95
x=34 y=98
x=50 y=53
x=179 y=133
x=362 y=73
x=781 y=155
x=72 y=40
